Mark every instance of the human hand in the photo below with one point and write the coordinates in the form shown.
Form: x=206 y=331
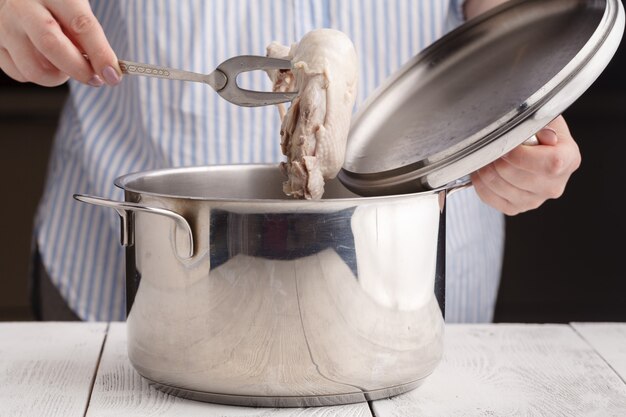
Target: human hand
x=527 y=176
x=45 y=42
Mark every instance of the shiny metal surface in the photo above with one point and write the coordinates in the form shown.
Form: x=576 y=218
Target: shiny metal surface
x=223 y=79
x=284 y=302
x=478 y=92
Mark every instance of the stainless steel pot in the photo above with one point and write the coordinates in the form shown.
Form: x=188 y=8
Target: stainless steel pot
x=238 y=295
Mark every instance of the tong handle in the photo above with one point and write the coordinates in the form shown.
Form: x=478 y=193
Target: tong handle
x=223 y=79
x=216 y=79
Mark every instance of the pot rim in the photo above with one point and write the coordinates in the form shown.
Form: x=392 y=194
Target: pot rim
x=124 y=182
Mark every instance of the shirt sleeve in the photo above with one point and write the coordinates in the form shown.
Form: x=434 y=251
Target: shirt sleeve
x=456 y=8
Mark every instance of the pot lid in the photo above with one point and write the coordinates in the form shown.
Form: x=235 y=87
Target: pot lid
x=478 y=92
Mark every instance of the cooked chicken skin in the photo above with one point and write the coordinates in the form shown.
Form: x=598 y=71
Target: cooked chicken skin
x=315 y=128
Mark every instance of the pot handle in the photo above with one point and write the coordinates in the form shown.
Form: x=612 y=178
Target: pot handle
x=125 y=209
x=460 y=184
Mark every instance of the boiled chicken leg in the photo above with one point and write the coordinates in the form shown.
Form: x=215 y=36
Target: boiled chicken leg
x=315 y=127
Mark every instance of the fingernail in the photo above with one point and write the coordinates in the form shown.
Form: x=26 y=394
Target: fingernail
x=95 y=81
x=549 y=134
x=111 y=76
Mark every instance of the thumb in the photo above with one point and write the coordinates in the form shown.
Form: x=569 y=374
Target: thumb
x=547 y=136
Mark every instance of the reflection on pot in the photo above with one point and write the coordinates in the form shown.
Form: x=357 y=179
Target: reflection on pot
x=289 y=308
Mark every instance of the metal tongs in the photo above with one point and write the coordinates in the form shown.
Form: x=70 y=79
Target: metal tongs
x=224 y=78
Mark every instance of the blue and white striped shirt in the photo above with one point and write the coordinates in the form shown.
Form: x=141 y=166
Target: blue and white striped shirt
x=149 y=123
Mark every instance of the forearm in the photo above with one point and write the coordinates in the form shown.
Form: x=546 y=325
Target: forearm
x=473 y=8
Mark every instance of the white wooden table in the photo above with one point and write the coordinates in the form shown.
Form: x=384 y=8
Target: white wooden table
x=81 y=369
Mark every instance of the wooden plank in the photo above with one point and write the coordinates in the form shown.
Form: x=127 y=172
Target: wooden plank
x=609 y=340
x=514 y=370
x=120 y=391
x=46 y=369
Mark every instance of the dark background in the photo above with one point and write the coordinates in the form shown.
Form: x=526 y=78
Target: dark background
x=566 y=260
x=28 y=118
x=563 y=262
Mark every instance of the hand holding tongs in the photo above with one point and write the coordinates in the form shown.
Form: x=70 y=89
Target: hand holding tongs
x=223 y=79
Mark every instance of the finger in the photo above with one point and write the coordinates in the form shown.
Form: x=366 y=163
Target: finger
x=8 y=66
x=493 y=199
x=500 y=175
x=32 y=64
x=523 y=157
x=547 y=136
x=506 y=180
x=77 y=18
x=490 y=178
x=48 y=37
x=549 y=160
x=560 y=126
